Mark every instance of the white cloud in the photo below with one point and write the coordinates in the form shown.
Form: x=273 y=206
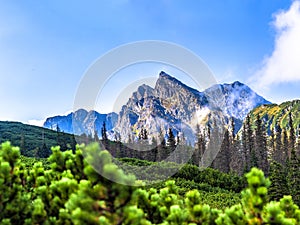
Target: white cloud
x=283 y=64
x=41 y=122
x=36 y=122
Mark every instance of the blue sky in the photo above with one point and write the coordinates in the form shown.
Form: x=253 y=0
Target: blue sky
x=46 y=46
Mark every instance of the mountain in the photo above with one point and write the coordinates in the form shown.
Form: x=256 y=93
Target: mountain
x=238 y=100
x=82 y=121
x=170 y=104
x=278 y=114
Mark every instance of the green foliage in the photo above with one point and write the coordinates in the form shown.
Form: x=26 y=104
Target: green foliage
x=273 y=114
x=70 y=191
x=279 y=185
x=14 y=200
x=33 y=141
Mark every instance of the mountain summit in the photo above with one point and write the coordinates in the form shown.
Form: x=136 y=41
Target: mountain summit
x=238 y=99
x=170 y=104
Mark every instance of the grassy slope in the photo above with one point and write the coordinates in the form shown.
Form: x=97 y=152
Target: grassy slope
x=274 y=113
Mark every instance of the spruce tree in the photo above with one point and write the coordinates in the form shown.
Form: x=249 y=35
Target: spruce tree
x=292 y=137
x=103 y=132
x=222 y=161
x=278 y=178
x=249 y=153
x=73 y=143
x=294 y=177
x=285 y=146
x=198 y=147
x=245 y=150
x=22 y=144
x=250 y=142
x=271 y=142
x=279 y=153
x=261 y=145
x=96 y=138
x=161 y=148
x=171 y=139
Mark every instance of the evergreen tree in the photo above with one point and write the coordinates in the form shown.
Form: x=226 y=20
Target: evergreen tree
x=271 y=143
x=104 y=142
x=161 y=148
x=73 y=143
x=261 y=145
x=214 y=144
x=250 y=142
x=285 y=146
x=43 y=151
x=103 y=132
x=171 y=139
x=298 y=147
x=183 y=154
x=278 y=178
x=201 y=143
x=96 y=138
x=61 y=139
x=197 y=152
x=236 y=159
x=222 y=161
x=292 y=137
x=171 y=144
x=279 y=154
x=232 y=124
x=248 y=145
x=22 y=144
x=154 y=149
x=294 y=177
x=245 y=150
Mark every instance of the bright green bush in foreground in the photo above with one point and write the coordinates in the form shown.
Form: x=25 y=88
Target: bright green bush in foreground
x=71 y=192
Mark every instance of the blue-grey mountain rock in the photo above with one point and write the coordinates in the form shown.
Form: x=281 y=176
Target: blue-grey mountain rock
x=170 y=104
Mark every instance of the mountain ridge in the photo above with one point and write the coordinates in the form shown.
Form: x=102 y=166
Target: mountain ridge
x=170 y=104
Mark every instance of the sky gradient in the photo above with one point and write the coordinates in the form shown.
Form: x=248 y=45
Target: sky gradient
x=46 y=46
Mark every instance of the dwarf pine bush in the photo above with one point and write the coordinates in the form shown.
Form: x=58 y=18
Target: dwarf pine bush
x=70 y=191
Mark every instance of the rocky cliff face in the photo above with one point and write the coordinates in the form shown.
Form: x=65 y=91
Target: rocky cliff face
x=81 y=122
x=174 y=104
x=170 y=104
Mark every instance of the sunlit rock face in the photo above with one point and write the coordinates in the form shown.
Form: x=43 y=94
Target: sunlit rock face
x=173 y=104
x=170 y=104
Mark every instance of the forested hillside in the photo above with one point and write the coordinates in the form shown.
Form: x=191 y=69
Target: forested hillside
x=278 y=115
x=34 y=141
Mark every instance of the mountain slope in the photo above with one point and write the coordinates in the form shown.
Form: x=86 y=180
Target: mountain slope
x=278 y=114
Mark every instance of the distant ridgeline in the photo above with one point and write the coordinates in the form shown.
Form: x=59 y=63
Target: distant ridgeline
x=34 y=141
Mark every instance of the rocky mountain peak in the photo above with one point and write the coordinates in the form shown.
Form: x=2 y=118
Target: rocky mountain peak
x=237 y=83
x=168 y=86
x=143 y=91
x=170 y=104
